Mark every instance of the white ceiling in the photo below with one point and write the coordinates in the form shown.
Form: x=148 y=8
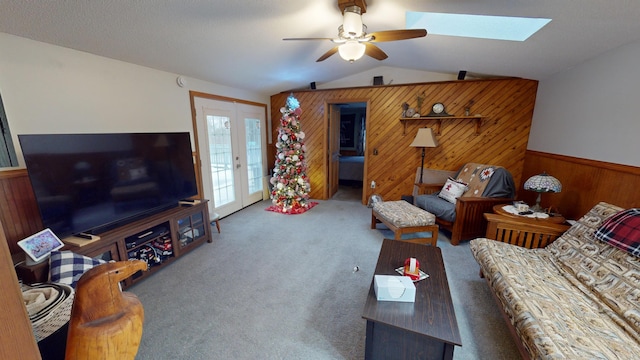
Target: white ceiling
x=239 y=43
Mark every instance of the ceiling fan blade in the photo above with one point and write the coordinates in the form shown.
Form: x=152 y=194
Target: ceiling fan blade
x=307 y=39
x=375 y=52
x=394 y=35
x=327 y=54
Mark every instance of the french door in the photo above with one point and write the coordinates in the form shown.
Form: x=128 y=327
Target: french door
x=232 y=151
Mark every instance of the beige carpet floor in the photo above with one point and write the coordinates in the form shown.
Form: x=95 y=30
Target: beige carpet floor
x=275 y=286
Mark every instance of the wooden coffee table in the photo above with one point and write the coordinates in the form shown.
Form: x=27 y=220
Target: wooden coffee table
x=426 y=329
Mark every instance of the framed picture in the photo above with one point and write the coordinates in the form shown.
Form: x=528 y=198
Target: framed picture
x=40 y=245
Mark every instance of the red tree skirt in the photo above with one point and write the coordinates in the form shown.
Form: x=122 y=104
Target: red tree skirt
x=292 y=211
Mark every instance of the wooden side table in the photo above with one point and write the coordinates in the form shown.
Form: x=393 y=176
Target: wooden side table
x=522 y=231
x=556 y=219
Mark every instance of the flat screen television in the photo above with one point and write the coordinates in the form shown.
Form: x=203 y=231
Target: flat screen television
x=91 y=183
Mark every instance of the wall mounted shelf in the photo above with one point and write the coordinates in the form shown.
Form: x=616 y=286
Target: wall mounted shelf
x=438 y=120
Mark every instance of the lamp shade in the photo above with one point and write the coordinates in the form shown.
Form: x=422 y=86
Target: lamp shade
x=424 y=138
x=351 y=50
x=543 y=183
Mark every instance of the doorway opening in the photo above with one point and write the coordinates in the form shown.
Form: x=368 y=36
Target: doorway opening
x=351 y=150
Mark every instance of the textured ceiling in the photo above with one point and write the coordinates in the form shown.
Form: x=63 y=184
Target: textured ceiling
x=239 y=43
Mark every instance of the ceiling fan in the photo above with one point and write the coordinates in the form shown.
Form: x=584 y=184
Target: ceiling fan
x=353 y=41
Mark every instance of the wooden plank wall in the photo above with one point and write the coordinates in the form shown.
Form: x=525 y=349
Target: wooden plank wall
x=584 y=183
x=506 y=104
x=18 y=341
x=18 y=209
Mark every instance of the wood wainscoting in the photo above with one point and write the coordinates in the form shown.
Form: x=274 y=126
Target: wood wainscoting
x=18 y=208
x=584 y=183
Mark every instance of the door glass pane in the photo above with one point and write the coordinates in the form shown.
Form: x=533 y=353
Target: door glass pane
x=219 y=132
x=254 y=154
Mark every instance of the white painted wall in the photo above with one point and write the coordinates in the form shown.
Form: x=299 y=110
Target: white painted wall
x=589 y=111
x=51 y=89
x=390 y=75
x=592 y=110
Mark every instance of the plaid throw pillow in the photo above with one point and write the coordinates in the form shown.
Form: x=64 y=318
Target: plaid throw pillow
x=622 y=230
x=67 y=267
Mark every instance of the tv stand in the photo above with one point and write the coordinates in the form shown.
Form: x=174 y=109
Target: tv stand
x=81 y=239
x=159 y=239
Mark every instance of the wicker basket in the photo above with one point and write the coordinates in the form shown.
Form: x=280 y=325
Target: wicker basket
x=51 y=319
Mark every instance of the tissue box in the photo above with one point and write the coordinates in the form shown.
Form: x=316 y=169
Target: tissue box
x=394 y=288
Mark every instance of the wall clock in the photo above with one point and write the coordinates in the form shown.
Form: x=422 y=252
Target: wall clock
x=438 y=109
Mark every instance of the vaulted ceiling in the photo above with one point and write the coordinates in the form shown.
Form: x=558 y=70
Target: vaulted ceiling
x=239 y=43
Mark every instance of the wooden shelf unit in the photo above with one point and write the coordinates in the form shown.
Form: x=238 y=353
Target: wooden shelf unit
x=438 y=120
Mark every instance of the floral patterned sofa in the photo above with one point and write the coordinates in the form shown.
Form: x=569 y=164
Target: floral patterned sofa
x=577 y=298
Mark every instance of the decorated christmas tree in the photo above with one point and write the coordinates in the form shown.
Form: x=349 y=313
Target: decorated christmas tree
x=290 y=182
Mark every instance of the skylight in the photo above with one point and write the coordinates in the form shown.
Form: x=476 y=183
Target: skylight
x=476 y=26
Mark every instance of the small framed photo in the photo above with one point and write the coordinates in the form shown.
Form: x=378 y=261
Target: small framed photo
x=40 y=245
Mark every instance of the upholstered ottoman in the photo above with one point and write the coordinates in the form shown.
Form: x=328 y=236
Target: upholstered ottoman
x=404 y=218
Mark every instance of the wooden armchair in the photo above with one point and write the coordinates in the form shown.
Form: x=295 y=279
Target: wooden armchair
x=465 y=219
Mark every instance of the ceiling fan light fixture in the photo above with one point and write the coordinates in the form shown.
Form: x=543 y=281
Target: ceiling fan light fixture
x=353 y=41
x=351 y=50
x=352 y=22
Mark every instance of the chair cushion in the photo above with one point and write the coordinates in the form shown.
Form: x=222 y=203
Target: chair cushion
x=439 y=207
x=402 y=214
